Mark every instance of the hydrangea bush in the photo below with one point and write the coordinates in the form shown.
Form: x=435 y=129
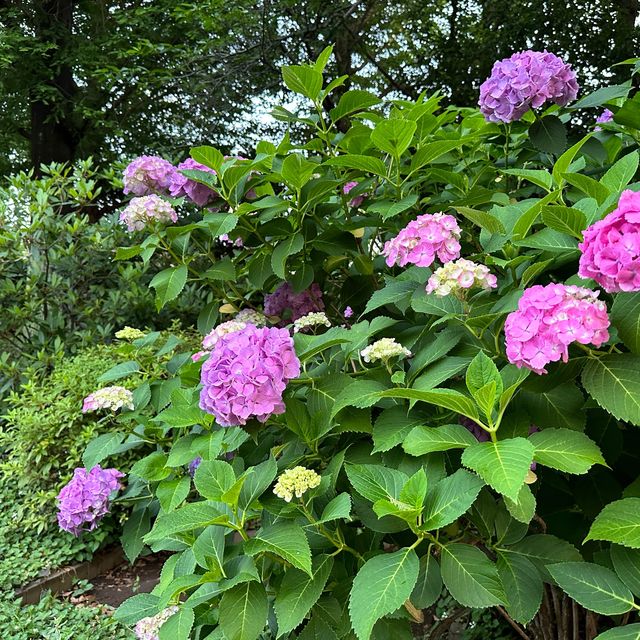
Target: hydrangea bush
x=332 y=482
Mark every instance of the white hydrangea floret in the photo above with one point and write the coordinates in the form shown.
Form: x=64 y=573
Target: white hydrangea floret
x=147 y=628
x=222 y=329
x=457 y=276
x=384 y=349
x=296 y=482
x=129 y=333
x=314 y=319
x=250 y=316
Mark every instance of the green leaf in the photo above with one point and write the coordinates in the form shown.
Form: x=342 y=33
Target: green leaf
x=352 y=101
x=152 y=467
x=523 y=583
x=429 y=585
x=360 y=394
x=524 y=508
x=172 y=493
x=208 y=549
x=528 y=218
x=214 y=478
x=600 y=96
x=564 y=219
x=133 y=531
x=618 y=522
x=258 y=479
x=471 y=578
x=283 y=250
x=298 y=593
x=621 y=173
x=381 y=586
x=588 y=185
x=178 y=626
x=101 y=448
x=219 y=223
x=433 y=150
x=625 y=317
x=537 y=176
x=629 y=114
x=560 y=406
x=503 y=465
x=423 y=440
x=562 y=163
x=483 y=219
x=368 y=164
x=243 y=611
x=482 y=370
x=544 y=549
x=447 y=398
x=339 y=508
x=142 y=605
x=626 y=562
x=450 y=498
x=614 y=383
x=393 y=136
x=296 y=170
x=375 y=482
x=390 y=294
x=168 y=284
x=304 y=80
x=209 y=157
x=392 y=427
x=192 y=516
x=221 y=270
x=181 y=414
x=566 y=450
x=594 y=587
x=628 y=632
x=389 y=209
x=286 y=540
x=548 y=134
x=121 y=370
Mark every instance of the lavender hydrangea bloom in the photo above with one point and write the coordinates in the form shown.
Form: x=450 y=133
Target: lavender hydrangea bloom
x=85 y=500
x=289 y=306
x=147 y=175
x=193 y=465
x=605 y=116
x=526 y=81
x=145 y=210
x=246 y=373
x=183 y=186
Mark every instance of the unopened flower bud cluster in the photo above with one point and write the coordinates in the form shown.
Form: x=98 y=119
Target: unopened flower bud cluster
x=129 y=333
x=384 y=350
x=316 y=319
x=296 y=482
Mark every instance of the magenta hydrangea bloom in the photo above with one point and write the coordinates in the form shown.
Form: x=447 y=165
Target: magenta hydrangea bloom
x=288 y=305
x=357 y=200
x=526 y=81
x=141 y=211
x=548 y=319
x=147 y=175
x=85 y=500
x=428 y=236
x=183 y=186
x=246 y=374
x=611 y=247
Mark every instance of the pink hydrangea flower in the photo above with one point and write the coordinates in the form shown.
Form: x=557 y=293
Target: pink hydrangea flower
x=110 y=398
x=288 y=305
x=85 y=500
x=141 y=211
x=548 y=319
x=246 y=374
x=183 y=186
x=147 y=175
x=458 y=276
x=611 y=247
x=428 y=236
x=357 y=200
x=526 y=81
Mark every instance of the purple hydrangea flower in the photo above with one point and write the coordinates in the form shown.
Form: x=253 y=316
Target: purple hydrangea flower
x=605 y=116
x=289 y=306
x=193 y=465
x=246 y=374
x=183 y=186
x=526 y=81
x=357 y=200
x=85 y=500
x=146 y=209
x=147 y=175
x=348 y=312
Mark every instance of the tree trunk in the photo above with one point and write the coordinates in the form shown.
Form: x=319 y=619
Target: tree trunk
x=53 y=136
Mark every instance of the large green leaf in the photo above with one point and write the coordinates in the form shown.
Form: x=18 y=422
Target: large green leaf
x=283 y=250
x=423 y=440
x=503 y=465
x=450 y=498
x=621 y=173
x=471 y=578
x=566 y=450
x=626 y=562
x=544 y=549
x=618 y=522
x=298 y=593
x=243 y=611
x=178 y=626
x=628 y=632
x=352 y=101
x=168 y=284
x=286 y=540
x=429 y=584
x=142 y=605
x=133 y=531
x=208 y=549
x=302 y=79
x=121 y=370
x=375 y=482
x=548 y=134
x=614 y=383
x=593 y=586
x=447 y=398
x=393 y=136
x=171 y=493
x=625 y=317
x=392 y=427
x=214 y=478
x=381 y=586
x=524 y=508
x=101 y=447
x=191 y=516
x=523 y=583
